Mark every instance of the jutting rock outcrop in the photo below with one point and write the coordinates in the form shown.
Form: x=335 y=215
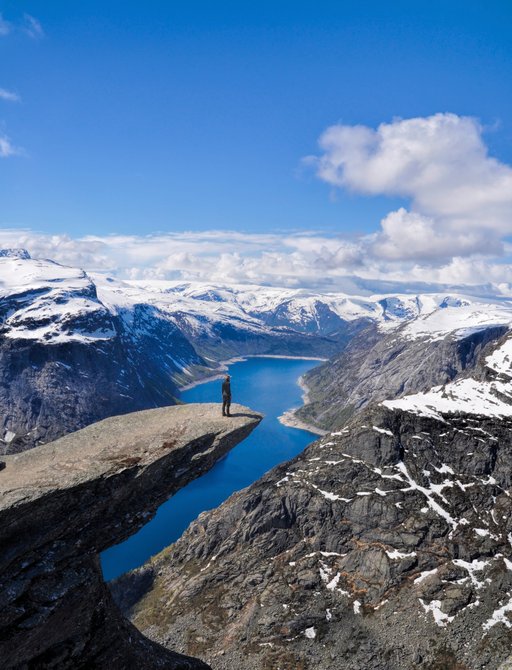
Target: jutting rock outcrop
x=64 y=502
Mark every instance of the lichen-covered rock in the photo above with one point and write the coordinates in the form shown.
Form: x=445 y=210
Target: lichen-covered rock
x=63 y=503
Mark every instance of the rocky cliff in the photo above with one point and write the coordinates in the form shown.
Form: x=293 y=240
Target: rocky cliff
x=386 y=545
x=377 y=366
x=64 y=502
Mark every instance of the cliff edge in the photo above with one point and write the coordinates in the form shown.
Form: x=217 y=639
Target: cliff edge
x=65 y=502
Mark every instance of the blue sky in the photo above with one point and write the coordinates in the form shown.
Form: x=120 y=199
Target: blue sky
x=166 y=117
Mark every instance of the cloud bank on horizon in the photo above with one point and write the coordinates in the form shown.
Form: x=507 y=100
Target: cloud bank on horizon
x=454 y=230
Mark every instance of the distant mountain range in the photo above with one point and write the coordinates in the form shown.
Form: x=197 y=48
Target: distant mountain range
x=76 y=347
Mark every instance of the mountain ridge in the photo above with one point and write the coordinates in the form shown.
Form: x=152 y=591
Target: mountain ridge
x=62 y=328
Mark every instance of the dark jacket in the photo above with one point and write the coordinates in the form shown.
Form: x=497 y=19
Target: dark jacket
x=226 y=389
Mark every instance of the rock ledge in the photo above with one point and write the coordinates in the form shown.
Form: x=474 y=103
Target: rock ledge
x=63 y=503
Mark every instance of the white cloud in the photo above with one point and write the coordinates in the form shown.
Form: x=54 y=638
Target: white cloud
x=306 y=260
x=454 y=231
x=5 y=26
x=7 y=149
x=460 y=197
x=409 y=236
x=32 y=27
x=9 y=96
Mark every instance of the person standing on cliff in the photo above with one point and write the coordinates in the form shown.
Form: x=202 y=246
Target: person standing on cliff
x=226 y=395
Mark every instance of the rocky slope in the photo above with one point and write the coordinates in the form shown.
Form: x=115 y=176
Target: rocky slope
x=63 y=503
x=386 y=545
x=426 y=351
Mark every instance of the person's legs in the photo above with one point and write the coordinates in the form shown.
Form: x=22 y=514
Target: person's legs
x=224 y=403
x=228 y=405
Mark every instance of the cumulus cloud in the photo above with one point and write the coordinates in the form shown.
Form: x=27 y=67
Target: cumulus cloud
x=9 y=96
x=412 y=236
x=460 y=197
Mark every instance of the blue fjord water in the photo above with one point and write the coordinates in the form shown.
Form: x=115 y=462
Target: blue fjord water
x=266 y=385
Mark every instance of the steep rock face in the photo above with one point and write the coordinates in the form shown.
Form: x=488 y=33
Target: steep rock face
x=67 y=361
x=65 y=502
x=386 y=545
x=47 y=391
x=375 y=367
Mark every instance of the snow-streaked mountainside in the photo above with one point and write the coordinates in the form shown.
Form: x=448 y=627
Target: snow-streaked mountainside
x=386 y=544
x=489 y=394
x=422 y=354
x=69 y=337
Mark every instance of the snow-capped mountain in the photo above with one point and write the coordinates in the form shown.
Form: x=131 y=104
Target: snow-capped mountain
x=76 y=347
x=47 y=302
x=67 y=360
x=391 y=359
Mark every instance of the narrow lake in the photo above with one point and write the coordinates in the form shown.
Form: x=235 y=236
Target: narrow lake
x=267 y=385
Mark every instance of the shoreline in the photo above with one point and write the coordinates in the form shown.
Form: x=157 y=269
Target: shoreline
x=288 y=417
x=223 y=366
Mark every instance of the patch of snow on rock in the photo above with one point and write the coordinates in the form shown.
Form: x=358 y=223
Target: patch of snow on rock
x=310 y=633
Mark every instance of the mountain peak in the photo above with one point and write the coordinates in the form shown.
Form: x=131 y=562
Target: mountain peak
x=14 y=253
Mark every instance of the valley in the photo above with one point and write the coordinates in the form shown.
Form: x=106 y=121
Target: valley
x=268 y=385
x=385 y=543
